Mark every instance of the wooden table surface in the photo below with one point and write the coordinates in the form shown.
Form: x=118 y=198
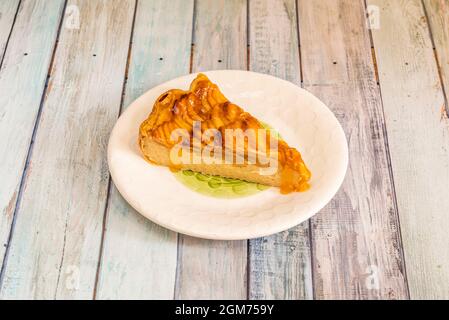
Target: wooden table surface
x=67 y=70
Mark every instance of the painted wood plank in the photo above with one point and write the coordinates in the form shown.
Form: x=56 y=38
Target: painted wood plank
x=280 y=265
x=8 y=10
x=215 y=269
x=418 y=135
x=139 y=257
x=438 y=15
x=55 y=248
x=22 y=81
x=355 y=240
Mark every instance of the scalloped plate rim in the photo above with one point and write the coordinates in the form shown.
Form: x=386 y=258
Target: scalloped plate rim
x=210 y=234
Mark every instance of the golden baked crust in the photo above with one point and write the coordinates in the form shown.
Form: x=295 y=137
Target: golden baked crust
x=203 y=102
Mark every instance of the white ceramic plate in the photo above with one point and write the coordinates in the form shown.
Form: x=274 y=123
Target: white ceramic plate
x=302 y=120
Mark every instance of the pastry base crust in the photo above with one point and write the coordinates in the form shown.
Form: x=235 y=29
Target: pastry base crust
x=159 y=154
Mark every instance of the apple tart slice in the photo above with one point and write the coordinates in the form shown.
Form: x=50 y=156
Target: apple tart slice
x=201 y=130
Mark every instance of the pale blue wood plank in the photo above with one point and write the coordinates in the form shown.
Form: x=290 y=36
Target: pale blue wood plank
x=215 y=269
x=280 y=264
x=356 y=242
x=139 y=257
x=22 y=82
x=55 y=248
x=418 y=135
x=8 y=10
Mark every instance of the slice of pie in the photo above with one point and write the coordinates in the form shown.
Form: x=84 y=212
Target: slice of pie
x=199 y=130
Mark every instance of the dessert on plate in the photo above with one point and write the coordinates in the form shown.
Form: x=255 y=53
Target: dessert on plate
x=201 y=130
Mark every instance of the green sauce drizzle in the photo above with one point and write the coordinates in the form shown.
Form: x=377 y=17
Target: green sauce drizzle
x=220 y=187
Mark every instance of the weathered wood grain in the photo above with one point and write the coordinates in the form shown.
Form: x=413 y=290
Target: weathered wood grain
x=139 y=257
x=280 y=265
x=55 y=247
x=215 y=269
x=220 y=35
x=438 y=19
x=22 y=81
x=355 y=239
x=418 y=134
x=8 y=10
